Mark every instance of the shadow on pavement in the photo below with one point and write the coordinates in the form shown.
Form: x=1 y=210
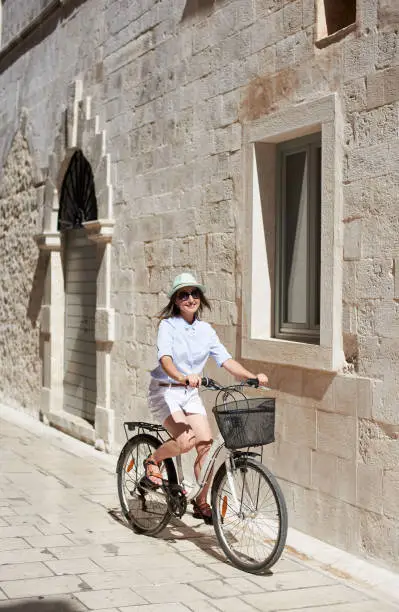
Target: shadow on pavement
x=177 y=530
x=42 y=605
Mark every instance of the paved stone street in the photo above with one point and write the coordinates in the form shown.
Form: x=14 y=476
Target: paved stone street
x=62 y=550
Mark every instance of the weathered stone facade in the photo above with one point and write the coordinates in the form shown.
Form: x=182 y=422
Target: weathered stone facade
x=183 y=89
x=20 y=365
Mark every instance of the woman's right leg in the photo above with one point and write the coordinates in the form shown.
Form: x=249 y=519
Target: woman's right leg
x=183 y=437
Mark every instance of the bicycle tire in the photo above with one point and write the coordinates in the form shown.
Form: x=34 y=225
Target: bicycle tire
x=145 y=521
x=220 y=505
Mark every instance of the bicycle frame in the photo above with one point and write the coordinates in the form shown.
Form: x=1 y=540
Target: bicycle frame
x=193 y=489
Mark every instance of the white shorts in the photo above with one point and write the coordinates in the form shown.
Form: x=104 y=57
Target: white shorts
x=164 y=401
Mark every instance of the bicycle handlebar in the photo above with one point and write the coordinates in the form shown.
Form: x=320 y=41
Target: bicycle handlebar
x=212 y=384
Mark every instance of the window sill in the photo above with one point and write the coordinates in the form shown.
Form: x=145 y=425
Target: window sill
x=335 y=37
x=288 y=353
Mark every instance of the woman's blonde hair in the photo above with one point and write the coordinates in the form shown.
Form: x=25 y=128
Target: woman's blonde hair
x=172 y=310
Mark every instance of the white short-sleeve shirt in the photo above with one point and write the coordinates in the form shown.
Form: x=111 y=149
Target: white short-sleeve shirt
x=188 y=345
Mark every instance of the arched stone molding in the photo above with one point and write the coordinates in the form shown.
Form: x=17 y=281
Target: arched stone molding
x=79 y=130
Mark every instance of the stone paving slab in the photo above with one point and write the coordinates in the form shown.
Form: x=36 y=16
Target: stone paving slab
x=96 y=600
x=41 y=586
x=66 y=544
x=304 y=597
x=364 y=606
x=16 y=571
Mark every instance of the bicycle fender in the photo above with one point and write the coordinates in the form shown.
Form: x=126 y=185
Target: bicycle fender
x=238 y=454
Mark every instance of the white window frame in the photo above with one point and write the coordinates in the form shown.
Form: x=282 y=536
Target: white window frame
x=258 y=236
x=309 y=332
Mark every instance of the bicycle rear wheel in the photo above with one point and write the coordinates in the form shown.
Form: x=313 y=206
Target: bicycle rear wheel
x=249 y=515
x=146 y=510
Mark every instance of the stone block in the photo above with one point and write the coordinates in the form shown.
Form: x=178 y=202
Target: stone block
x=292 y=17
x=391 y=493
x=293 y=463
x=349 y=288
x=145 y=229
x=379 y=537
x=346 y=480
x=358 y=57
x=299 y=425
x=220 y=286
x=387 y=52
x=345 y=395
x=158 y=253
x=229 y=105
x=375 y=125
x=375 y=279
x=337 y=434
x=334 y=476
x=324 y=473
x=386 y=320
x=355 y=94
x=177 y=224
x=380 y=237
x=383 y=87
x=364 y=397
x=369 y=487
x=373 y=161
x=221 y=252
x=353 y=240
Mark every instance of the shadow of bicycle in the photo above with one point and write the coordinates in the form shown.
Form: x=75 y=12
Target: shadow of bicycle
x=177 y=531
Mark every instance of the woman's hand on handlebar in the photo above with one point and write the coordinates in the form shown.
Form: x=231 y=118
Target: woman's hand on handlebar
x=262 y=379
x=193 y=380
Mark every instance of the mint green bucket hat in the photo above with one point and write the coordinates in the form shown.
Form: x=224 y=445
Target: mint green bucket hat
x=185 y=280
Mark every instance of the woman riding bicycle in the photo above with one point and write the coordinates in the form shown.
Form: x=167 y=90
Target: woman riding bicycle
x=184 y=345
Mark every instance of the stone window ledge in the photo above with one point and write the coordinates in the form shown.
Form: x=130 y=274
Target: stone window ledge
x=335 y=37
x=285 y=352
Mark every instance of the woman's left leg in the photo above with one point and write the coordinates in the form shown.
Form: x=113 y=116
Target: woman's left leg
x=203 y=439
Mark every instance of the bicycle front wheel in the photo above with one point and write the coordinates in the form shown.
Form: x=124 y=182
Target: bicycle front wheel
x=146 y=510
x=249 y=515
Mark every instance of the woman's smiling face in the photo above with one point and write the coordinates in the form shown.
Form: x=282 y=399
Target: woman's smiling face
x=188 y=300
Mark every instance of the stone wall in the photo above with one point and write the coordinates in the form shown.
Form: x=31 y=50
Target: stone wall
x=17 y=14
x=20 y=364
x=174 y=82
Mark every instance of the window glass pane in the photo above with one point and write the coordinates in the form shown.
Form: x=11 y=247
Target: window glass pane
x=295 y=232
x=317 y=178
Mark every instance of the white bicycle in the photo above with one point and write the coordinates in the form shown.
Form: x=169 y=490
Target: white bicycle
x=248 y=508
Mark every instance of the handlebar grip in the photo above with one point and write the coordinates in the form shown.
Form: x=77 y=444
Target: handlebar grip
x=206 y=382
x=253 y=382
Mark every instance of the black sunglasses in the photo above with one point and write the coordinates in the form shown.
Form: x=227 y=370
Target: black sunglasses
x=184 y=295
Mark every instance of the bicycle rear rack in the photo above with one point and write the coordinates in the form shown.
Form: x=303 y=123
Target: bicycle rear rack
x=143 y=426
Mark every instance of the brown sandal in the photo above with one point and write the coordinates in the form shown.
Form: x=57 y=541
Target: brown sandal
x=151 y=474
x=203 y=511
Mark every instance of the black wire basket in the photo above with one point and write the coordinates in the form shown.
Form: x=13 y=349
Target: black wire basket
x=246 y=422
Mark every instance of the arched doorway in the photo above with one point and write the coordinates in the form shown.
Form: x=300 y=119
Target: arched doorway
x=73 y=210
x=78 y=204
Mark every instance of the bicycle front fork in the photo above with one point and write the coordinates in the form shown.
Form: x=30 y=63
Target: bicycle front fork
x=236 y=498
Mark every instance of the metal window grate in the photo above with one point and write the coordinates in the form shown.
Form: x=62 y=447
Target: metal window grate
x=78 y=201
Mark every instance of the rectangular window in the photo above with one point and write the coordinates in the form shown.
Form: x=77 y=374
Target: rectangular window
x=334 y=17
x=298 y=236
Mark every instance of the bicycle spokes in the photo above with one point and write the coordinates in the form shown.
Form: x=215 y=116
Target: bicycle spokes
x=248 y=516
